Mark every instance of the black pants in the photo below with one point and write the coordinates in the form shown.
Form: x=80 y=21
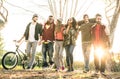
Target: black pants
x=47 y=48
x=100 y=62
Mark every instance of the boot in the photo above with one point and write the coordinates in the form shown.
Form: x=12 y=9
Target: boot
x=72 y=69
x=68 y=69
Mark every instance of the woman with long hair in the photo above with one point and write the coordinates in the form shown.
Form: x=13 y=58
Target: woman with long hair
x=58 y=57
x=70 y=36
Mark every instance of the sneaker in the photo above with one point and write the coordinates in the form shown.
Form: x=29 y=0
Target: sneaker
x=62 y=68
x=85 y=71
x=34 y=65
x=68 y=70
x=57 y=69
x=51 y=63
x=95 y=73
x=103 y=73
x=45 y=64
x=28 y=68
x=72 y=69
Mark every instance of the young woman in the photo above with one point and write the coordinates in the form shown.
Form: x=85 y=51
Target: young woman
x=70 y=36
x=58 y=57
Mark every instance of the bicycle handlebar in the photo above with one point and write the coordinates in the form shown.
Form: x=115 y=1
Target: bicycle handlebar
x=16 y=43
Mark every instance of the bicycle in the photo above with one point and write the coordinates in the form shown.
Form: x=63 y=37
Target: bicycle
x=10 y=59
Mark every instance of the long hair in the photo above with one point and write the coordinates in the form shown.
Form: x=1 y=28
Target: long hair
x=74 y=23
x=58 y=26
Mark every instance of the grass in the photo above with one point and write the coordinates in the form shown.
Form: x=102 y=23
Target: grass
x=77 y=65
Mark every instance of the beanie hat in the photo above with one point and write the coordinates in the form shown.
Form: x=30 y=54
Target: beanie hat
x=35 y=15
x=60 y=19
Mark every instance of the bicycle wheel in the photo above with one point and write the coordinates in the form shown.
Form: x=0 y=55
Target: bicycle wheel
x=9 y=60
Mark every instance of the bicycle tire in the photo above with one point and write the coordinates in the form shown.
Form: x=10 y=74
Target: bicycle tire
x=9 y=60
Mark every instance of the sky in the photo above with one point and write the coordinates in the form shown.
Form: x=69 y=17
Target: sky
x=21 y=15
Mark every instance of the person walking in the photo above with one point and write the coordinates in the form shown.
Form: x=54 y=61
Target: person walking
x=85 y=30
x=70 y=36
x=32 y=34
x=48 y=41
x=58 y=56
x=100 y=42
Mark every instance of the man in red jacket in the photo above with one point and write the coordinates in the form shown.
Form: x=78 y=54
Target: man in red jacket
x=100 y=42
x=47 y=41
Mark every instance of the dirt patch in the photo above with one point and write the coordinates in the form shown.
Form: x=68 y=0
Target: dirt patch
x=52 y=74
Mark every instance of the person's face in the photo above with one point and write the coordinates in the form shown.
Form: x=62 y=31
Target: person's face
x=56 y=22
x=51 y=19
x=98 y=19
x=70 y=21
x=86 y=18
x=35 y=19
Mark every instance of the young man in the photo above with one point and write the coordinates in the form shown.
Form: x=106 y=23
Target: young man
x=100 y=42
x=47 y=41
x=85 y=29
x=32 y=34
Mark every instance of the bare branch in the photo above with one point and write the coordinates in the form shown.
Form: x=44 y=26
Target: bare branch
x=64 y=7
x=76 y=4
x=2 y=10
x=80 y=8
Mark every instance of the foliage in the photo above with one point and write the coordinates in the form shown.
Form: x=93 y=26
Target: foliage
x=1 y=46
x=1 y=24
x=115 y=63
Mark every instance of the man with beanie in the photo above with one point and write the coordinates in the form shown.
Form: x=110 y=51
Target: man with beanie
x=32 y=34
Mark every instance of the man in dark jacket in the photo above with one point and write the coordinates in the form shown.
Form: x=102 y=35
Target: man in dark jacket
x=85 y=29
x=32 y=34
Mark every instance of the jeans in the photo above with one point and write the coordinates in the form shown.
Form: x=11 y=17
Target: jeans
x=58 y=57
x=31 y=50
x=100 y=62
x=69 y=54
x=86 y=53
x=47 y=48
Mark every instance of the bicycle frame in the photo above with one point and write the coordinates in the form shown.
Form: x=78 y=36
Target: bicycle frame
x=18 y=51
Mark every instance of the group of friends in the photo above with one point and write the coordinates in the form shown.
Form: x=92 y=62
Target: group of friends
x=55 y=36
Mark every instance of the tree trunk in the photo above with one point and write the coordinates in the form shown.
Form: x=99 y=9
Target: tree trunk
x=114 y=21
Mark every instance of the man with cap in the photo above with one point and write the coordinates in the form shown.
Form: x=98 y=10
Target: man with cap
x=32 y=34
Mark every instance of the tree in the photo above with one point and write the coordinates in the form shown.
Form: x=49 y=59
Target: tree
x=1 y=46
x=3 y=20
x=3 y=14
x=114 y=7
x=68 y=8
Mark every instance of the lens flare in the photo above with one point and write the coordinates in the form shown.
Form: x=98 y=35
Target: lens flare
x=99 y=51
